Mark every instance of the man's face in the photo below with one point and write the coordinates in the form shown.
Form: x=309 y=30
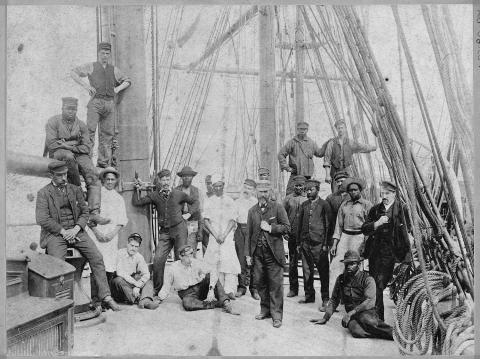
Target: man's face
x=187 y=181
x=104 y=56
x=109 y=181
x=59 y=179
x=264 y=176
x=248 y=190
x=69 y=112
x=164 y=182
x=298 y=189
x=132 y=247
x=339 y=183
x=263 y=194
x=218 y=189
x=208 y=184
x=312 y=192
x=387 y=196
x=302 y=131
x=351 y=268
x=186 y=257
x=354 y=191
x=341 y=129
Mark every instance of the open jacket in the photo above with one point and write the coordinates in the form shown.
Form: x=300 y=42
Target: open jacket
x=47 y=210
x=277 y=217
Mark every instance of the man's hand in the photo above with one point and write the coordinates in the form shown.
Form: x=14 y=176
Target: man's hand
x=91 y=90
x=382 y=220
x=265 y=226
x=333 y=250
x=136 y=292
x=249 y=261
x=289 y=169
x=210 y=296
x=70 y=234
x=186 y=216
x=320 y=321
x=328 y=179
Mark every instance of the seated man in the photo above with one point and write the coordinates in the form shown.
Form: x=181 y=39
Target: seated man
x=62 y=214
x=132 y=283
x=357 y=290
x=197 y=288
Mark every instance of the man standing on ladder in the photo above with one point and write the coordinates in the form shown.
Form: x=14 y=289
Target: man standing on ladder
x=105 y=80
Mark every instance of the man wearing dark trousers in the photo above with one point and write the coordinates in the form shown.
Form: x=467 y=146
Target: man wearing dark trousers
x=172 y=225
x=62 y=214
x=357 y=291
x=266 y=224
x=387 y=226
x=314 y=235
x=292 y=203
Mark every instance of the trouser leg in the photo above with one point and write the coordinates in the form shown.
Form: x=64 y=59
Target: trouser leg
x=308 y=271
x=293 y=263
x=147 y=290
x=239 y=239
x=105 y=134
x=164 y=246
x=93 y=115
x=356 y=330
x=73 y=175
x=122 y=291
x=322 y=263
x=57 y=247
x=373 y=325
x=94 y=287
x=94 y=186
x=261 y=280
x=275 y=285
x=382 y=273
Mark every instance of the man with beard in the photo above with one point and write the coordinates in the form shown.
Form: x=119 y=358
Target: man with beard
x=357 y=291
x=246 y=201
x=314 y=233
x=292 y=203
x=266 y=224
x=300 y=150
x=352 y=214
x=336 y=199
x=191 y=215
x=172 y=227
x=387 y=226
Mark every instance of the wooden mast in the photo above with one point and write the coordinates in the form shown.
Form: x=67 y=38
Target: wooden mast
x=300 y=67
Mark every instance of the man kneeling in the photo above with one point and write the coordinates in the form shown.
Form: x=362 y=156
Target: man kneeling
x=132 y=283
x=357 y=290
x=197 y=288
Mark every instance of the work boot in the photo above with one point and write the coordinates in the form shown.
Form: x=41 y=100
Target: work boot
x=255 y=294
x=231 y=296
x=306 y=300
x=148 y=304
x=108 y=302
x=240 y=292
x=97 y=219
x=323 y=307
x=227 y=308
x=292 y=293
x=263 y=316
x=277 y=323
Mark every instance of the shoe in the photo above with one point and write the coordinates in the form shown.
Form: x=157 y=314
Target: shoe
x=231 y=296
x=307 y=300
x=239 y=293
x=291 y=293
x=148 y=304
x=227 y=308
x=262 y=316
x=255 y=294
x=277 y=323
x=323 y=307
x=108 y=302
x=96 y=218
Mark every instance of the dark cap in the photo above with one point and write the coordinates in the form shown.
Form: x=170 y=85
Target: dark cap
x=299 y=179
x=186 y=171
x=302 y=124
x=250 y=182
x=339 y=122
x=354 y=180
x=312 y=183
x=104 y=46
x=264 y=184
x=263 y=171
x=107 y=170
x=164 y=173
x=208 y=178
x=58 y=167
x=69 y=101
x=135 y=236
x=351 y=256
x=389 y=186
x=183 y=248
x=340 y=174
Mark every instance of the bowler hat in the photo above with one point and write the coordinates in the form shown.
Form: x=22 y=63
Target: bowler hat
x=354 y=180
x=312 y=183
x=164 y=173
x=186 y=171
x=104 y=46
x=58 y=167
x=104 y=172
x=351 y=256
x=390 y=186
x=217 y=178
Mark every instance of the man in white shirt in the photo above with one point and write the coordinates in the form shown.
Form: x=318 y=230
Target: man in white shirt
x=132 y=283
x=197 y=286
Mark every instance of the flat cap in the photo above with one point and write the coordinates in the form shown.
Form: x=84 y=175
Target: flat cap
x=250 y=182
x=183 y=248
x=164 y=173
x=263 y=171
x=104 y=46
x=299 y=179
x=186 y=171
x=58 y=167
x=217 y=178
x=136 y=237
x=312 y=183
x=264 y=184
x=354 y=180
x=339 y=122
x=390 y=186
x=351 y=256
x=69 y=101
x=340 y=174
x=107 y=170
x=302 y=124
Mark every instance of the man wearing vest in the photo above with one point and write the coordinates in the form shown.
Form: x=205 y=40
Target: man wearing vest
x=339 y=152
x=357 y=291
x=105 y=80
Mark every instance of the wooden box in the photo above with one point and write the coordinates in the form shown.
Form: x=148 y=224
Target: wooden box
x=17 y=275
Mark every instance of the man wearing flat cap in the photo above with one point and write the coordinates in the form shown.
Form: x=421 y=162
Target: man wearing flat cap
x=314 y=236
x=191 y=215
x=387 y=225
x=67 y=140
x=106 y=236
x=352 y=214
x=339 y=152
x=105 y=81
x=300 y=151
x=357 y=291
x=172 y=224
x=62 y=214
x=292 y=203
x=336 y=198
x=267 y=222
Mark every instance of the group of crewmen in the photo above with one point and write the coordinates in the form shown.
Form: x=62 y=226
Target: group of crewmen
x=241 y=239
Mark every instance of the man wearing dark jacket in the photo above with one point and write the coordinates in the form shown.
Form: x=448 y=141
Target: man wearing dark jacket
x=314 y=236
x=172 y=226
x=266 y=223
x=62 y=214
x=387 y=226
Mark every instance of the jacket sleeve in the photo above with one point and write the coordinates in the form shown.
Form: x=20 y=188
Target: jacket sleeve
x=42 y=214
x=51 y=135
x=138 y=202
x=283 y=225
x=301 y=212
x=84 y=213
x=84 y=143
x=368 y=228
x=329 y=223
x=327 y=157
x=282 y=155
x=319 y=151
x=249 y=234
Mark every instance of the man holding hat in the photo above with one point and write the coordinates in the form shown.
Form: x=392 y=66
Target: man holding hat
x=314 y=236
x=62 y=214
x=292 y=203
x=267 y=222
x=191 y=214
x=387 y=225
x=246 y=201
x=300 y=150
x=352 y=214
x=357 y=291
x=172 y=226
x=106 y=236
x=105 y=80
x=67 y=140
x=336 y=199
x=339 y=152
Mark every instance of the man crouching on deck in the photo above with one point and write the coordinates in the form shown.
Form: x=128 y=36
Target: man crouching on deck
x=197 y=288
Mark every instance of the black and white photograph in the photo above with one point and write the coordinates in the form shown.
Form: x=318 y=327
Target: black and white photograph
x=237 y=179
